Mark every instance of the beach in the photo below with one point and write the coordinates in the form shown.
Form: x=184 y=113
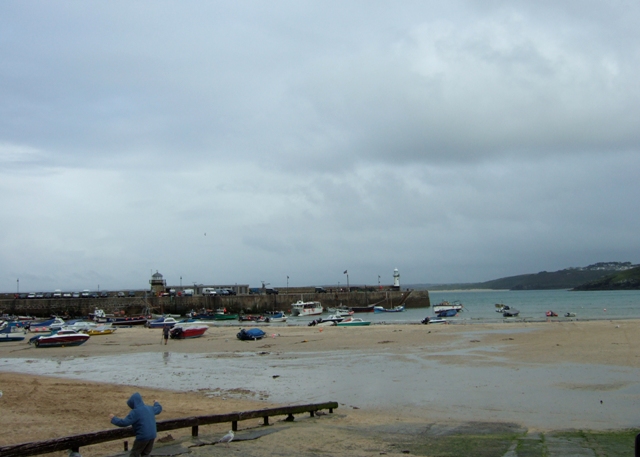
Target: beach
x=531 y=377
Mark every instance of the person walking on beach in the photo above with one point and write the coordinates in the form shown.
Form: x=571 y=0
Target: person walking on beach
x=165 y=333
x=143 y=419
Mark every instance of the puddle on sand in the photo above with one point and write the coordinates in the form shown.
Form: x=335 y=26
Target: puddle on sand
x=541 y=396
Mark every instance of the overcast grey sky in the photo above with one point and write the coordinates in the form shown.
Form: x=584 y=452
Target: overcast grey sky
x=247 y=141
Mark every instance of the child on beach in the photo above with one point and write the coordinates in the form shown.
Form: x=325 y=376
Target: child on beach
x=143 y=419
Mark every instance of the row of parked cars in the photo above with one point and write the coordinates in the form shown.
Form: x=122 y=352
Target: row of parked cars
x=84 y=294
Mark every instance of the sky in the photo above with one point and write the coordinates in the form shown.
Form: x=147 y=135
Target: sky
x=287 y=142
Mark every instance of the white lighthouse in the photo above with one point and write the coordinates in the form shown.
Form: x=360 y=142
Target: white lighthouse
x=396 y=279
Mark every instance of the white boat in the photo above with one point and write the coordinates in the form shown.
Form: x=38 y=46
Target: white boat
x=445 y=306
x=353 y=322
x=80 y=326
x=306 y=308
x=278 y=317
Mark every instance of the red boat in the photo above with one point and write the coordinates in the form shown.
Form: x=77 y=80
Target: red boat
x=183 y=331
x=551 y=314
x=60 y=339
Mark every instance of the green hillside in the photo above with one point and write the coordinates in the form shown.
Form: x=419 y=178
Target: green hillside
x=623 y=280
x=569 y=278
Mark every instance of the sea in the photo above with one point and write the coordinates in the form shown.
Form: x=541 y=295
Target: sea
x=480 y=306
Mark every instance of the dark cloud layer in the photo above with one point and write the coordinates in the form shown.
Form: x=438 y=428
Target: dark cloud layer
x=455 y=141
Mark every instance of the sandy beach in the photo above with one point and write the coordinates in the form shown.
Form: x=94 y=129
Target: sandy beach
x=515 y=374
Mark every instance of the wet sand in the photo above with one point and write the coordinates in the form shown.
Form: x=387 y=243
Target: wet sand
x=555 y=375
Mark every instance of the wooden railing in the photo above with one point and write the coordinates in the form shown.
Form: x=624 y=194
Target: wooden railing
x=74 y=442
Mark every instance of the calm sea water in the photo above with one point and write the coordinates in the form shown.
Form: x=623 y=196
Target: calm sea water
x=479 y=306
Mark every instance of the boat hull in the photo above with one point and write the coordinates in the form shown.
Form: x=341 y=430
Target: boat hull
x=56 y=341
x=311 y=308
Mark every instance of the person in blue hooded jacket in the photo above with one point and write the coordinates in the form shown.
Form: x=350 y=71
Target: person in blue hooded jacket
x=143 y=420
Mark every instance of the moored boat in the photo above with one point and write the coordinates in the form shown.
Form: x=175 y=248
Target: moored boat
x=362 y=309
x=185 y=331
x=445 y=305
x=551 y=314
x=46 y=326
x=161 y=322
x=106 y=329
x=447 y=313
x=353 y=322
x=382 y=309
x=309 y=308
x=60 y=338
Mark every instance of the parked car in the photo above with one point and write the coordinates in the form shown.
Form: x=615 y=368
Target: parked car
x=104 y=294
x=120 y=294
x=31 y=295
x=48 y=295
x=66 y=295
x=76 y=295
x=39 y=295
x=271 y=291
x=132 y=293
x=57 y=293
x=85 y=293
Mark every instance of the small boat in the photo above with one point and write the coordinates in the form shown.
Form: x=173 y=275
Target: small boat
x=251 y=334
x=100 y=330
x=46 y=326
x=382 y=309
x=433 y=320
x=11 y=333
x=340 y=310
x=252 y=318
x=278 y=317
x=363 y=309
x=322 y=323
x=445 y=305
x=185 y=331
x=61 y=338
x=447 y=313
x=508 y=311
x=353 y=322
x=127 y=321
x=551 y=314
x=334 y=318
x=161 y=322
x=306 y=308
x=79 y=326
x=570 y=315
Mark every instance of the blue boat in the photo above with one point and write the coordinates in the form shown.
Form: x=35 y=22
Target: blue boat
x=447 y=313
x=382 y=309
x=161 y=322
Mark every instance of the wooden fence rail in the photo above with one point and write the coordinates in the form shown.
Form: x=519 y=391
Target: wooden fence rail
x=74 y=442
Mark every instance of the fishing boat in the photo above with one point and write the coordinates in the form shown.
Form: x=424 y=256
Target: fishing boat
x=570 y=315
x=186 y=331
x=382 y=309
x=353 y=322
x=306 y=308
x=433 y=320
x=445 y=305
x=61 y=338
x=551 y=314
x=127 y=321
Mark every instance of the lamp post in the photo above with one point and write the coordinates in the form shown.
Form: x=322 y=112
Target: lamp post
x=378 y=281
x=18 y=285
x=287 y=284
x=347 y=273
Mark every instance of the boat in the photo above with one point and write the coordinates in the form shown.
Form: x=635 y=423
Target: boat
x=570 y=315
x=382 y=309
x=362 y=309
x=306 y=308
x=508 y=311
x=340 y=310
x=278 y=317
x=161 y=322
x=250 y=334
x=353 y=322
x=186 y=331
x=11 y=333
x=106 y=329
x=61 y=338
x=225 y=316
x=445 y=305
x=551 y=314
x=252 y=318
x=433 y=320
x=79 y=326
x=127 y=321
x=447 y=313
x=335 y=318
x=46 y=326
x=322 y=323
